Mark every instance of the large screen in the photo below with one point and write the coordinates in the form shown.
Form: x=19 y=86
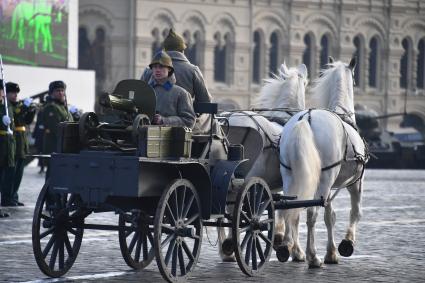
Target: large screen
x=34 y=32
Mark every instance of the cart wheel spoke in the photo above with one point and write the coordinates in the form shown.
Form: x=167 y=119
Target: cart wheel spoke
x=187 y=251
x=263 y=206
x=46 y=233
x=260 y=250
x=49 y=245
x=61 y=255
x=181 y=261
x=167 y=229
x=248 y=250
x=254 y=253
x=192 y=219
x=53 y=256
x=170 y=251
x=174 y=263
x=138 y=249
x=188 y=206
x=170 y=213
x=181 y=201
x=258 y=202
x=133 y=242
x=247 y=237
x=265 y=239
x=68 y=246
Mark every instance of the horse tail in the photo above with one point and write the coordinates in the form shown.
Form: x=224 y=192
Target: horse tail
x=304 y=160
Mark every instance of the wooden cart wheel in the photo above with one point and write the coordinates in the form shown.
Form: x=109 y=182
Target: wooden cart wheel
x=87 y=127
x=178 y=231
x=55 y=240
x=136 y=243
x=253 y=226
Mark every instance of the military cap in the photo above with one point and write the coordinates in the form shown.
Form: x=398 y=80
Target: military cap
x=56 y=84
x=12 y=87
x=174 y=42
x=163 y=59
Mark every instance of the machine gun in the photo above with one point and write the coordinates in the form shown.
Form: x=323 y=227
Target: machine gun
x=134 y=102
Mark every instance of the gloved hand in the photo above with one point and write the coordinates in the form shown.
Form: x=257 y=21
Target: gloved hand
x=73 y=109
x=27 y=101
x=157 y=120
x=6 y=120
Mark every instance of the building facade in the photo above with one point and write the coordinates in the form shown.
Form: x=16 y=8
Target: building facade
x=237 y=43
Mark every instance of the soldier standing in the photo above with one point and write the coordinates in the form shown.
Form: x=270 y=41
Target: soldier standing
x=188 y=76
x=7 y=148
x=173 y=103
x=54 y=112
x=23 y=114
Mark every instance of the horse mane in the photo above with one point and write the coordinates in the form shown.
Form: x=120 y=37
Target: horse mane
x=279 y=92
x=331 y=89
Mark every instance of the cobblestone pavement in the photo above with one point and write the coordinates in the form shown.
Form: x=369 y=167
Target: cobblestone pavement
x=390 y=245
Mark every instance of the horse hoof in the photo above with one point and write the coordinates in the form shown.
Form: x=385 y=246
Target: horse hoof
x=331 y=260
x=282 y=253
x=346 y=248
x=278 y=240
x=296 y=259
x=229 y=259
x=228 y=247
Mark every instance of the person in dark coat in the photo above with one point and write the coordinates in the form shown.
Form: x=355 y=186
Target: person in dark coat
x=54 y=112
x=23 y=114
x=7 y=148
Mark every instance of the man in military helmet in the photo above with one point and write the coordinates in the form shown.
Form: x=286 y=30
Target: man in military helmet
x=23 y=114
x=173 y=103
x=54 y=112
x=7 y=148
x=188 y=76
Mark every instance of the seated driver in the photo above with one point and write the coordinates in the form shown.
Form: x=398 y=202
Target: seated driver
x=173 y=103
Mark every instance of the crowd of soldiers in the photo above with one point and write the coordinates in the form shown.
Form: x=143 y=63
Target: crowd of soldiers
x=178 y=84
x=14 y=128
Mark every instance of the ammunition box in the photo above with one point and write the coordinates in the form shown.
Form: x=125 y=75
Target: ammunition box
x=164 y=141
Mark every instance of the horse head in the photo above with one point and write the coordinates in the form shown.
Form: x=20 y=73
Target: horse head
x=334 y=89
x=284 y=90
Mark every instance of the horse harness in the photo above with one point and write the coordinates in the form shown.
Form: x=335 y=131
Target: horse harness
x=357 y=156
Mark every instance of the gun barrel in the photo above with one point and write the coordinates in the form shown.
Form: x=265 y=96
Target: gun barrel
x=117 y=103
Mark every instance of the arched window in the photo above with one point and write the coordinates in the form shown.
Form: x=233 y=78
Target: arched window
x=219 y=59
x=405 y=64
x=420 y=77
x=373 y=62
x=359 y=54
x=156 y=44
x=274 y=53
x=228 y=57
x=324 y=51
x=98 y=51
x=257 y=57
x=308 y=54
x=85 y=61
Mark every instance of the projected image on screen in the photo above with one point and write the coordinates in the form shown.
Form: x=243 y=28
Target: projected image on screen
x=34 y=32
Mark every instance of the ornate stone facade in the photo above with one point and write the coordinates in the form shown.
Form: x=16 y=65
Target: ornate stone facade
x=236 y=42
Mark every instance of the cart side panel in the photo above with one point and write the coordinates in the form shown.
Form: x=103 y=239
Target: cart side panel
x=95 y=176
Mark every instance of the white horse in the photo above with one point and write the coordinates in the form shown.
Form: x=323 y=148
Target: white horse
x=280 y=98
x=322 y=150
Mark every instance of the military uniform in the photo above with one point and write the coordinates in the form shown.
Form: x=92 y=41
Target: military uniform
x=188 y=76
x=173 y=103
x=23 y=116
x=54 y=112
x=7 y=157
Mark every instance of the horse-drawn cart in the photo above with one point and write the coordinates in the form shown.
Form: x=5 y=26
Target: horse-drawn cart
x=164 y=183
